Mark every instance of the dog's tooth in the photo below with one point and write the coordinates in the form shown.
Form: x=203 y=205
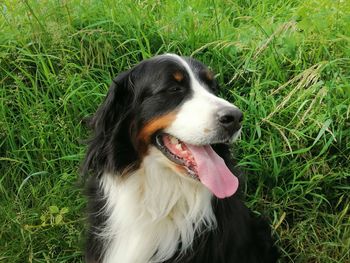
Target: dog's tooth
x=178 y=146
x=174 y=140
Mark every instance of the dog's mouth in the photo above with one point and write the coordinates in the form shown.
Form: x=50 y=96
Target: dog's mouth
x=200 y=162
x=177 y=152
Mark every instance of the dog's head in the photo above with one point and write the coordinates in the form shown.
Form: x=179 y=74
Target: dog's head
x=166 y=105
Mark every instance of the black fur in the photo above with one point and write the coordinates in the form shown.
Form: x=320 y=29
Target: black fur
x=240 y=237
x=135 y=97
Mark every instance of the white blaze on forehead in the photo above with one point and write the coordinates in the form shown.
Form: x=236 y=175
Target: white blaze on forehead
x=196 y=121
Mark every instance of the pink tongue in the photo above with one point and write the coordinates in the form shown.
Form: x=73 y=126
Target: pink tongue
x=213 y=172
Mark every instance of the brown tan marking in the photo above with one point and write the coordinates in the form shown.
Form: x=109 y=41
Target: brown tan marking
x=209 y=75
x=156 y=124
x=180 y=169
x=177 y=168
x=178 y=76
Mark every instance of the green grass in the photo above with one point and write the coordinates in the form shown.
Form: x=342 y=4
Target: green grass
x=285 y=63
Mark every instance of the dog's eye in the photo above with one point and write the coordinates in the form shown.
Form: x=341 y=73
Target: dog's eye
x=175 y=89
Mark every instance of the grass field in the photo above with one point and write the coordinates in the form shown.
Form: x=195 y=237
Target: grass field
x=285 y=63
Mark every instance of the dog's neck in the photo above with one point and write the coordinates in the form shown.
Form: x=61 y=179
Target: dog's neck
x=152 y=212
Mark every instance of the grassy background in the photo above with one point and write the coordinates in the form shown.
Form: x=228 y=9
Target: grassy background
x=285 y=63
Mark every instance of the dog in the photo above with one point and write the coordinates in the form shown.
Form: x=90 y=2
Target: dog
x=163 y=186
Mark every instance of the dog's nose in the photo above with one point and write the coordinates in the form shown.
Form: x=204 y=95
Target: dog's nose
x=230 y=118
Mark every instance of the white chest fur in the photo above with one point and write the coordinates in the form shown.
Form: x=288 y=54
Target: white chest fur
x=151 y=210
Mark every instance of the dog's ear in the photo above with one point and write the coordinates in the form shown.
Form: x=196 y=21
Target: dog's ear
x=115 y=105
x=111 y=125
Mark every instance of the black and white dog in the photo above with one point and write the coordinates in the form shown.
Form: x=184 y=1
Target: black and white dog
x=163 y=186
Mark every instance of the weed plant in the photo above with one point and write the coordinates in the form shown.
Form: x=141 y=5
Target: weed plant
x=285 y=63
